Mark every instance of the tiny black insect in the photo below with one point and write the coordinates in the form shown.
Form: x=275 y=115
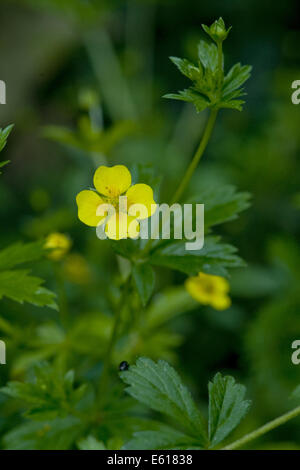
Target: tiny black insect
x=124 y=365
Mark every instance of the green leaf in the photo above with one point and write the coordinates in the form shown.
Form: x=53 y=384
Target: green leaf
x=187 y=68
x=19 y=286
x=91 y=443
x=4 y=133
x=57 y=434
x=227 y=407
x=51 y=394
x=221 y=204
x=208 y=55
x=20 y=253
x=144 y=278
x=158 y=386
x=235 y=78
x=164 y=438
x=191 y=96
x=213 y=258
x=2 y=164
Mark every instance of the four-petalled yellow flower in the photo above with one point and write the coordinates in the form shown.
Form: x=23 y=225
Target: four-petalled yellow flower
x=209 y=290
x=116 y=203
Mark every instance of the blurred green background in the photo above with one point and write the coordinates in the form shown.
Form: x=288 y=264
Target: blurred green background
x=99 y=69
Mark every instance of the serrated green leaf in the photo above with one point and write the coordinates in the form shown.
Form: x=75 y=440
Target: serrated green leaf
x=191 y=96
x=227 y=407
x=187 y=68
x=20 y=286
x=213 y=258
x=4 y=133
x=164 y=438
x=158 y=386
x=235 y=78
x=20 y=253
x=144 y=278
x=208 y=55
x=221 y=204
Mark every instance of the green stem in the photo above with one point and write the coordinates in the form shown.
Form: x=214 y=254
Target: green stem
x=193 y=165
x=264 y=429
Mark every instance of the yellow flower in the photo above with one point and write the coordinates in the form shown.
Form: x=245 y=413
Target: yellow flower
x=58 y=244
x=209 y=290
x=114 y=191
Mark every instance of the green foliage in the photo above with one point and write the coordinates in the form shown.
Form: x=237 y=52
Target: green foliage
x=221 y=204
x=144 y=278
x=51 y=395
x=227 y=407
x=214 y=258
x=4 y=133
x=158 y=386
x=88 y=139
x=210 y=88
x=18 y=284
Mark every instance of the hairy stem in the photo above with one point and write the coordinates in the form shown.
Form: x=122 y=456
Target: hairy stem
x=264 y=429
x=193 y=165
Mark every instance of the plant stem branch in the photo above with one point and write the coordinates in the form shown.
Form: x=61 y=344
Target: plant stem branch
x=193 y=165
x=264 y=429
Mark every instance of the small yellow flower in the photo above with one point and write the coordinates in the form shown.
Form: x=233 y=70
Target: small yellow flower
x=209 y=290
x=58 y=245
x=111 y=183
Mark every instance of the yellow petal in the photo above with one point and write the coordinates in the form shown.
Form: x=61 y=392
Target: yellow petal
x=112 y=181
x=221 y=302
x=140 y=201
x=88 y=203
x=59 y=244
x=121 y=226
x=196 y=290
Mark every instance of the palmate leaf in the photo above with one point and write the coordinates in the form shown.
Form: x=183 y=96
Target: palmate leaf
x=158 y=386
x=18 y=284
x=227 y=407
x=213 y=258
x=210 y=88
